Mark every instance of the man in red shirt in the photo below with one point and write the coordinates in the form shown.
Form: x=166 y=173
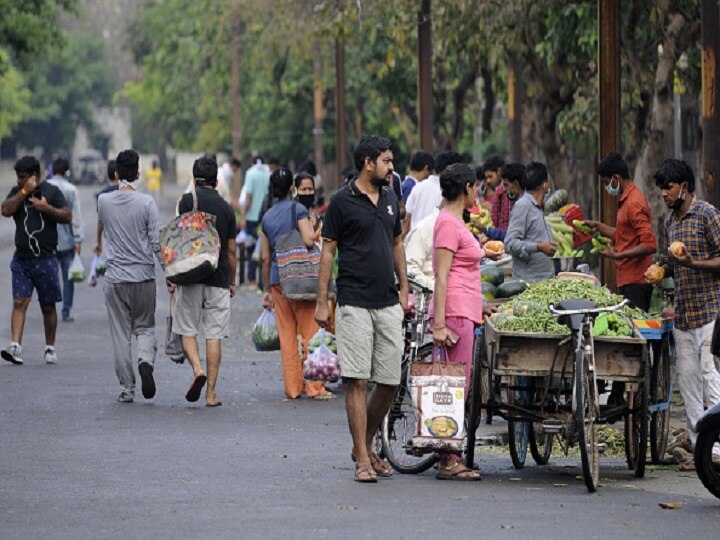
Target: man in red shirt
x=633 y=239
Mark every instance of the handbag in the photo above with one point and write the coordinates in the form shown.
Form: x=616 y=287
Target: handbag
x=438 y=394
x=298 y=265
x=173 y=341
x=190 y=246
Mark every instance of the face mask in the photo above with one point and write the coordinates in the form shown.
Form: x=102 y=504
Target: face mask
x=677 y=203
x=308 y=201
x=613 y=191
x=511 y=196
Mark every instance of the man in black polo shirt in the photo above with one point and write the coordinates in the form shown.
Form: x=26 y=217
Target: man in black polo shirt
x=363 y=223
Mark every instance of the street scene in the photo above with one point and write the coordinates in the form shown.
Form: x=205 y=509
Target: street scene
x=360 y=270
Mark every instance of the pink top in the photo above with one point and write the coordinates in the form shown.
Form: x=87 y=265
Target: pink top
x=464 y=295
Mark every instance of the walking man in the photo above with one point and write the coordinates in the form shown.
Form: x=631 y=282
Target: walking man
x=37 y=208
x=129 y=223
x=696 y=224
x=363 y=223
x=70 y=236
x=206 y=304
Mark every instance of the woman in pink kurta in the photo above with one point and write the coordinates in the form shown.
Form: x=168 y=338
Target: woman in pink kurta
x=457 y=302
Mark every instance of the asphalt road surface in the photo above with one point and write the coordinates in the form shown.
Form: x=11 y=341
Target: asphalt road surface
x=74 y=463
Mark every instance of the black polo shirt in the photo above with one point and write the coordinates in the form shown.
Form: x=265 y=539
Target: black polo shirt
x=364 y=234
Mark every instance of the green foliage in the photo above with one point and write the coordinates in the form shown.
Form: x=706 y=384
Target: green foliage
x=65 y=86
x=14 y=96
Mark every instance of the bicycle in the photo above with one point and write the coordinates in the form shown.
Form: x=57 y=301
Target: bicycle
x=400 y=424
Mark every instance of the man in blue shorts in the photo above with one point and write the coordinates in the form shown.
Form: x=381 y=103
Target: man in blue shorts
x=37 y=207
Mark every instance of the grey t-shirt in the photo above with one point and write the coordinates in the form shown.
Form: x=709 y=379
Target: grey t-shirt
x=132 y=235
x=527 y=228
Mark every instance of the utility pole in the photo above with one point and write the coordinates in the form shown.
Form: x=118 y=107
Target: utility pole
x=340 y=140
x=425 y=108
x=609 y=44
x=515 y=101
x=318 y=114
x=710 y=157
x=235 y=92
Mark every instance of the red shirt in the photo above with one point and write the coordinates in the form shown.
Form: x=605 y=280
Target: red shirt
x=501 y=207
x=633 y=228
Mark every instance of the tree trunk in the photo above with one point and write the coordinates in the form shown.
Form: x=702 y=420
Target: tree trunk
x=489 y=101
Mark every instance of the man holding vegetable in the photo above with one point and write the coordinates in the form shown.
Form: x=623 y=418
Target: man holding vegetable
x=363 y=223
x=633 y=241
x=693 y=260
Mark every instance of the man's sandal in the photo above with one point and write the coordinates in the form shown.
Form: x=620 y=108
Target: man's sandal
x=380 y=466
x=365 y=474
x=462 y=474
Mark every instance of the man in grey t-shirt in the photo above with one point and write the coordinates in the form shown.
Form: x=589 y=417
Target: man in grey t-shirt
x=130 y=224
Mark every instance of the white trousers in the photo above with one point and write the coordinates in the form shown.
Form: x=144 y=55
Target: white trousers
x=698 y=377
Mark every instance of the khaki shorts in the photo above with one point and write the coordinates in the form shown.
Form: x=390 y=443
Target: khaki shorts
x=202 y=306
x=370 y=343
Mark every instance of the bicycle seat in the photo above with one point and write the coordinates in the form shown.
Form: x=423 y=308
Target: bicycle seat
x=573 y=304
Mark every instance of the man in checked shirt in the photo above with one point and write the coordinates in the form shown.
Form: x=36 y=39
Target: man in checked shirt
x=696 y=224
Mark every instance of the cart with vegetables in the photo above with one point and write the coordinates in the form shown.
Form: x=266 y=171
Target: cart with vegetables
x=546 y=381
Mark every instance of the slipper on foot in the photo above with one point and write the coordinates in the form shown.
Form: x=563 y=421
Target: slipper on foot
x=216 y=404
x=193 y=394
x=148 y=382
x=380 y=466
x=365 y=474
x=462 y=475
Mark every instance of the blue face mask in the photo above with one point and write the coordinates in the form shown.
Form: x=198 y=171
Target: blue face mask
x=613 y=191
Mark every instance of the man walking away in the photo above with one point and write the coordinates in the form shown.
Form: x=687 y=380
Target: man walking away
x=70 y=236
x=363 y=223
x=257 y=183
x=129 y=221
x=207 y=304
x=37 y=208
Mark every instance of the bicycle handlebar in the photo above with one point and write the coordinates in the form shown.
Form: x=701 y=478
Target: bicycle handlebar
x=415 y=285
x=558 y=312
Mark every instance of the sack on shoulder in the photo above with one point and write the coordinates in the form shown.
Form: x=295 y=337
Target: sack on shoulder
x=190 y=246
x=298 y=265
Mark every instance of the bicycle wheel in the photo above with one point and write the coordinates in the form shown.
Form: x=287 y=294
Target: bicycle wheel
x=707 y=470
x=518 y=432
x=399 y=426
x=660 y=383
x=585 y=414
x=636 y=425
x=540 y=443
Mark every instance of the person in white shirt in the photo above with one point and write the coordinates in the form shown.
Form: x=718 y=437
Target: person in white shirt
x=426 y=195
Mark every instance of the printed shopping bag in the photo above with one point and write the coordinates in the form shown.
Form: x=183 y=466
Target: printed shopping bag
x=190 y=246
x=437 y=389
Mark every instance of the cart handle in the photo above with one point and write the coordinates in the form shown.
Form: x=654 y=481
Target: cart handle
x=558 y=312
x=417 y=286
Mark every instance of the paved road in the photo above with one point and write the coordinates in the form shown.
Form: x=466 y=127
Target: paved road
x=76 y=464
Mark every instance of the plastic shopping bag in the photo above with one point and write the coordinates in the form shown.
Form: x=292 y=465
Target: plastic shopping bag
x=265 y=335
x=98 y=268
x=437 y=389
x=322 y=363
x=76 y=272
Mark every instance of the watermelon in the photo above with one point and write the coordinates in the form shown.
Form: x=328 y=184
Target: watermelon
x=488 y=290
x=491 y=274
x=510 y=288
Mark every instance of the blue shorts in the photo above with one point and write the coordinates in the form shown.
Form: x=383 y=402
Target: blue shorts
x=41 y=274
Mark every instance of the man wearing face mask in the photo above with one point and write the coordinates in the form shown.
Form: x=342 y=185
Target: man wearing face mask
x=513 y=177
x=633 y=239
x=696 y=224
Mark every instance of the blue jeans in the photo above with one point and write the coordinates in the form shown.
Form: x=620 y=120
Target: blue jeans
x=65 y=258
x=252 y=266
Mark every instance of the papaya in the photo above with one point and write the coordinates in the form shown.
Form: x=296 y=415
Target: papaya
x=492 y=275
x=495 y=245
x=654 y=273
x=488 y=290
x=678 y=249
x=510 y=288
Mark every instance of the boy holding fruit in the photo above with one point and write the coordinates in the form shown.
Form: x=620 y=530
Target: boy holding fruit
x=693 y=231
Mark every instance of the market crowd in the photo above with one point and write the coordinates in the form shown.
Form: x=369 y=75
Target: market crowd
x=377 y=229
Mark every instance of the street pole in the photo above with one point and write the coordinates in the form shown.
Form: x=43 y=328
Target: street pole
x=425 y=109
x=340 y=141
x=235 y=94
x=710 y=158
x=515 y=100
x=609 y=44
x=318 y=115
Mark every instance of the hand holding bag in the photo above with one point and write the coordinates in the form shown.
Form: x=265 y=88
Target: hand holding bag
x=298 y=265
x=438 y=393
x=190 y=246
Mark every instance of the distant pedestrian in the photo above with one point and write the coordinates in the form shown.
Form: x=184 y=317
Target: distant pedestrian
x=129 y=222
x=113 y=182
x=70 y=236
x=37 y=208
x=362 y=222
x=257 y=182
x=153 y=177
x=205 y=306
x=491 y=188
x=426 y=196
x=422 y=165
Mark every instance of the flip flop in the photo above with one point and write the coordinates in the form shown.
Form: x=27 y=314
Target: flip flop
x=216 y=404
x=458 y=475
x=193 y=393
x=380 y=466
x=365 y=474
x=327 y=396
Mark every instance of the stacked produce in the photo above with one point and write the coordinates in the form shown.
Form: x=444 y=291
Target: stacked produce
x=322 y=337
x=529 y=312
x=562 y=233
x=479 y=217
x=494 y=285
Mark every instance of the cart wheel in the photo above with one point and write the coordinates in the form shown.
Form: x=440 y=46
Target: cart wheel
x=660 y=385
x=474 y=401
x=480 y=361
x=707 y=471
x=586 y=407
x=636 y=425
x=398 y=429
x=540 y=443
x=518 y=432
